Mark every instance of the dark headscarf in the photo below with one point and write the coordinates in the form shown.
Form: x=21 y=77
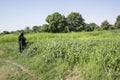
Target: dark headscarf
x=21 y=34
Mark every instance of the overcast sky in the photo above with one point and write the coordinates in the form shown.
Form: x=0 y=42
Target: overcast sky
x=17 y=14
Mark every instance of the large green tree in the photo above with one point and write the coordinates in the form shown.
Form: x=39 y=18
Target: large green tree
x=56 y=22
x=75 y=21
x=36 y=29
x=117 y=23
x=105 y=25
x=91 y=27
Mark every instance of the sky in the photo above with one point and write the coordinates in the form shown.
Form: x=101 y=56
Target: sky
x=18 y=14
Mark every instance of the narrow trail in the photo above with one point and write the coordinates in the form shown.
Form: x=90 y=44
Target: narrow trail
x=19 y=66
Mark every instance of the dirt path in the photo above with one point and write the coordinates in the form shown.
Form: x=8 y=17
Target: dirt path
x=18 y=65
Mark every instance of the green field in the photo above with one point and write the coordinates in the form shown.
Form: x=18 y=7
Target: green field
x=62 y=56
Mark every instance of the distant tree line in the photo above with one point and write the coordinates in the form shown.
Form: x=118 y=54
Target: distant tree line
x=74 y=22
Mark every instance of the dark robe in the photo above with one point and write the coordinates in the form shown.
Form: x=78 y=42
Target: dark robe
x=22 y=42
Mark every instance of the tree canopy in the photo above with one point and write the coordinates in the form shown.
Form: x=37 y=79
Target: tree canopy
x=56 y=22
x=117 y=23
x=105 y=25
x=75 y=21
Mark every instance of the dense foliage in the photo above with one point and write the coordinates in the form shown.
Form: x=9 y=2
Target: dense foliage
x=74 y=22
x=86 y=55
x=117 y=23
x=56 y=22
x=105 y=25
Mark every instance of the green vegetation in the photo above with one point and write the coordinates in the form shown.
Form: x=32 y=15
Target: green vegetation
x=73 y=22
x=64 y=56
x=117 y=23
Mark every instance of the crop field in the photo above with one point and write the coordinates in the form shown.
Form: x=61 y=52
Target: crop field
x=61 y=56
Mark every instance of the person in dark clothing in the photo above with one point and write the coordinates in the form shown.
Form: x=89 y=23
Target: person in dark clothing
x=22 y=42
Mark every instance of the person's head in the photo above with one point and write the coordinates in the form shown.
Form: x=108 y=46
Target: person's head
x=21 y=34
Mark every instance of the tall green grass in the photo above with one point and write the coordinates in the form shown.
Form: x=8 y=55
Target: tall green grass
x=54 y=56
x=111 y=35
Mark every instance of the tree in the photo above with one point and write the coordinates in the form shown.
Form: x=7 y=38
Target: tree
x=45 y=28
x=105 y=25
x=27 y=30
x=36 y=29
x=117 y=23
x=111 y=27
x=56 y=22
x=87 y=27
x=92 y=26
x=75 y=21
x=5 y=32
